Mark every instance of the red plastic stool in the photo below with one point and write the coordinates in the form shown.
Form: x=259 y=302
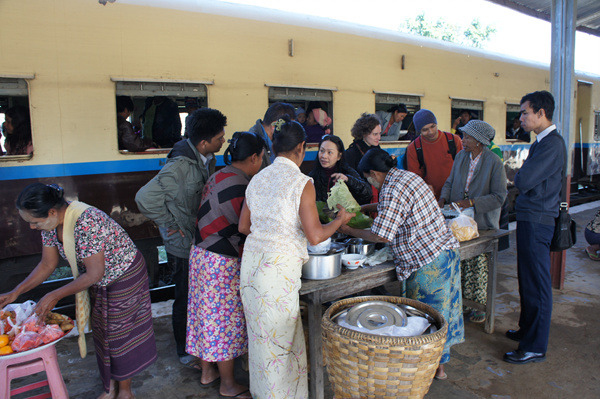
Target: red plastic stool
x=12 y=367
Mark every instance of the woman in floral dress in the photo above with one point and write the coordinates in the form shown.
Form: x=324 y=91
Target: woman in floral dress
x=280 y=217
x=216 y=330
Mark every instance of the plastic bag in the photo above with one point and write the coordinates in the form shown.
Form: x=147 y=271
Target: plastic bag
x=22 y=310
x=51 y=333
x=26 y=340
x=464 y=227
x=32 y=324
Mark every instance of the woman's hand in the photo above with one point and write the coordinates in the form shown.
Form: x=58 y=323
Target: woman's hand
x=339 y=176
x=45 y=305
x=441 y=202
x=7 y=298
x=343 y=215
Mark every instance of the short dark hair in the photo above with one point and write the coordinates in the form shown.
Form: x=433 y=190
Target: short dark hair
x=277 y=110
x=123 y=103
x=399 y=108
x=377 y=159
x=38 y=199
x=287 y=135
x=204 y=124
x=540 y=100
x=364 y=125
x=243 y=145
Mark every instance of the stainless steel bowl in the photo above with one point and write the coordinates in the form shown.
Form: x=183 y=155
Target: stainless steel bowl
x=359 y=246
x=324 y=266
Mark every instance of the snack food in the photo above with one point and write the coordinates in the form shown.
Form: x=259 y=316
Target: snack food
x=464 y=228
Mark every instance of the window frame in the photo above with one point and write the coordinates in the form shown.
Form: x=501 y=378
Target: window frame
x=20 y=88
x=411 y=100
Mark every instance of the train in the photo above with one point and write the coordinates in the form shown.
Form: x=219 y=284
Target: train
x=68 y=60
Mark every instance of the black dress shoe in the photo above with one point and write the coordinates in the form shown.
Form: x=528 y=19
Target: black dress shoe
x=515 y=335
x=521 y=357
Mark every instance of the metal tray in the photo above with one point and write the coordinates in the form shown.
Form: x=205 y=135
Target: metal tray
x=376 y=314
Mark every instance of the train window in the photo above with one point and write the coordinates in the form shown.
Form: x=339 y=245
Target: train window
x=166 y=104
x=383 y=104
x=514 y=131
x=463 y=110
x=16 y=141
x=597 y=126
x=306 y=98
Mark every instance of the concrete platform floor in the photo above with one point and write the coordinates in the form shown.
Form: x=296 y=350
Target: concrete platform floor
x=476 y=369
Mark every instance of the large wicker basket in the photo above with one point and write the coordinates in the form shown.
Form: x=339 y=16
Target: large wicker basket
x=373 y=366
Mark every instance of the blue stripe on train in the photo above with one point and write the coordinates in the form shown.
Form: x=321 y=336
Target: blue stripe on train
x=94 y=168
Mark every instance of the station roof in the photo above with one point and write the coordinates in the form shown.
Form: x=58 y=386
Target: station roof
x=588 y=12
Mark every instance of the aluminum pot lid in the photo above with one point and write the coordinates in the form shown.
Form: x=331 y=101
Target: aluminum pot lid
x=374 y=315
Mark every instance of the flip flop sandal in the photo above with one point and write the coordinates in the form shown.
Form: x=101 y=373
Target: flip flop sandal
x=239 y=395
x=191 y=362
x=211 y=384
x=593 y=255
x=477 y=317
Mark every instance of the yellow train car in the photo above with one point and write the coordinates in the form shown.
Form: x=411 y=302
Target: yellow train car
x=66 y=61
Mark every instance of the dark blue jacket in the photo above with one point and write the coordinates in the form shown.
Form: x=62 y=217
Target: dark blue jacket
x=540 y=179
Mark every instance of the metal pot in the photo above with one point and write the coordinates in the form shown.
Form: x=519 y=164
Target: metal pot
x=359 y=246
x=324 y=266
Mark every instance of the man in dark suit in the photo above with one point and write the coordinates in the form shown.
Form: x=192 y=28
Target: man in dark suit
x=539 y=182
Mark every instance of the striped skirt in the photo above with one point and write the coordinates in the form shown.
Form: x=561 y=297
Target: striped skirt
x=122 y=325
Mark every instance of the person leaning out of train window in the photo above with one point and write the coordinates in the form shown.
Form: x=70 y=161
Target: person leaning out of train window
x=128 y=139
x=391 y=122
x=317 y=122
x=425 y=251
x=331 y=166
x=17 y=131
x=477 y=181
x=109 y=265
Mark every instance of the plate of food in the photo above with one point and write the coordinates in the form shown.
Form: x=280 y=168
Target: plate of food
x=25 y=337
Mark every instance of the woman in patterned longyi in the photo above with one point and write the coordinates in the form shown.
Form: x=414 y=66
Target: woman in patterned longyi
x=111 y=267
x=280 y=217
x=216 y=328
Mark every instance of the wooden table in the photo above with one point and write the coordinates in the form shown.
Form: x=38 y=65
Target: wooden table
x=317 y=292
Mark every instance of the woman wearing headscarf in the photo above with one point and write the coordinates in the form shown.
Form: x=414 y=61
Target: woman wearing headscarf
x=317 y=123
x=477 y=180
x=425 y=251
x=280 y=218
x=331 y=166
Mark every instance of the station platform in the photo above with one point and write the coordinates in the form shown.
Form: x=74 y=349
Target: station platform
x=476 y=369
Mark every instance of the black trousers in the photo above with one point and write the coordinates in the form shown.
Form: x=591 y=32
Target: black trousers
x=535 y=284
x=181 y=267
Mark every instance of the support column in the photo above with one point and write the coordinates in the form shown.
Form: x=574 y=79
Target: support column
x=562 y=86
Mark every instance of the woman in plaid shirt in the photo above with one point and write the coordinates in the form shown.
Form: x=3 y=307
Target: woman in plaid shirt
x=425 y=251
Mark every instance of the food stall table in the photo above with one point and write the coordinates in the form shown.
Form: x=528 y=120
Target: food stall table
x=317 y=292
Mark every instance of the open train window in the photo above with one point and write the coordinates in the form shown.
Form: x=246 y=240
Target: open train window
x=16 y=142
x=514 y=131
x=463 y=110
x=158 y=117
x=305 y=98
x=385 y=103
x=597 y=126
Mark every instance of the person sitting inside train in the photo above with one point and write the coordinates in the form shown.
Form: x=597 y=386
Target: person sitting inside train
x=391 y=122
x=160 y=122
x=17 y=131
x=128 y=139
x=463 y=118
x=264 y=127
x=331 y=167
x=317 y=122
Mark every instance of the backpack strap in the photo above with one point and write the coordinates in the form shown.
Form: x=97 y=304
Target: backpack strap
x=420 y=157
x=451 y=144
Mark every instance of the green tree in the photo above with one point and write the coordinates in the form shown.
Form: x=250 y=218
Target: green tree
x=474 y=34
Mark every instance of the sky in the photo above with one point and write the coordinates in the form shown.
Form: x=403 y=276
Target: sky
x=509 y=38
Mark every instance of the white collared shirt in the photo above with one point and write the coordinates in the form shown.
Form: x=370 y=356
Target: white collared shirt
x=545 y=132
x=206 y=160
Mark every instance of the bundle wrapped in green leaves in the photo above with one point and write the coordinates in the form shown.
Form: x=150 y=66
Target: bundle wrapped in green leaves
x=341 y=195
